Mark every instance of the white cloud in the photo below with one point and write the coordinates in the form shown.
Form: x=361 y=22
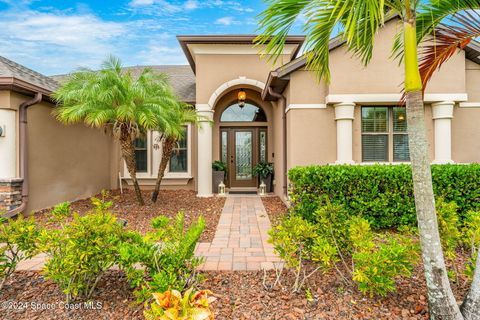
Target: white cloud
x=226 y=21
x=140 y=3
x=156 y=54
x=53 y=43
x=191 y=4
x=83 y=32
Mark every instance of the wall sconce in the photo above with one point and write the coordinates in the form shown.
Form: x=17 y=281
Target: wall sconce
x=262 y=190
x=242 y=97
x=221 y=189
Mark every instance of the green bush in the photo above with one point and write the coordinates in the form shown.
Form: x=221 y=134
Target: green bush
x=379 y=259
x=166 y=256
x=81 y=250
x=382 y=194
x=17 y=243
x=372 y=260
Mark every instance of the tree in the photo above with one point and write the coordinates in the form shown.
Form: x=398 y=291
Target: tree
x=357 y=23
x=169 y=136
x=114 y=98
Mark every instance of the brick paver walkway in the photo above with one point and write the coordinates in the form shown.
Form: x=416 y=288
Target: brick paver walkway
x=240 y=242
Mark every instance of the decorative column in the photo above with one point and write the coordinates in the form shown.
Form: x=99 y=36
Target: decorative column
x=344 y=115
x=204 y=155
x=442 y=116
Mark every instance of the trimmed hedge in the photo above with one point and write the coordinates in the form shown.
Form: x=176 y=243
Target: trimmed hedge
x=383 y=194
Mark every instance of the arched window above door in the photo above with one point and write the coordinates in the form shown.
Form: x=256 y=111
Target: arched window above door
x=247 y=113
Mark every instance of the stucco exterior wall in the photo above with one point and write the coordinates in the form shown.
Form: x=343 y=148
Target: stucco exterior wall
x=472 y=71
x=466 y=135
x=213 y=70
x=383 y=74
x=65 y=163
x=306 y=88
x=311 y=137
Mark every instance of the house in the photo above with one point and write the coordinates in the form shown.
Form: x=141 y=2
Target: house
x=288 y=117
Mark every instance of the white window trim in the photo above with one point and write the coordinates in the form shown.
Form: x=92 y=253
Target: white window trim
x=142 y=175
x=188 y=174
x=151 y=172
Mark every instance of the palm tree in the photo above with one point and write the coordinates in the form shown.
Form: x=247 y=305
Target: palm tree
x=169 y=136
x=357 y=23
x=115 y=99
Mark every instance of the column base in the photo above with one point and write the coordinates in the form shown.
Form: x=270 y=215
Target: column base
x=443 y=161
x=205 y=195
x=344 y=162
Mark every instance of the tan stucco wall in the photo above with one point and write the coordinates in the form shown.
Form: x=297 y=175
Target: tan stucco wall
x=473 y=80
x=466 y=135
x=311 y=136
x=64 y=162
x=214 y=70
x=383 y=74
x=4 y=99
x=306 y=88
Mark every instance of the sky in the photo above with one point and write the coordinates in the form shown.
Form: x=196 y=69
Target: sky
x=58 y=36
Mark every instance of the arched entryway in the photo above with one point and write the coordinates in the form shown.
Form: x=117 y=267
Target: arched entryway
x=243 y=134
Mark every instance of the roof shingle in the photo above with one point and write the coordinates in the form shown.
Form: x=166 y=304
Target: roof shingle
x=11 y=69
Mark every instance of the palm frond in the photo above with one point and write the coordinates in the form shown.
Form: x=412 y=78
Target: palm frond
x=433 y=12
x=448 y=39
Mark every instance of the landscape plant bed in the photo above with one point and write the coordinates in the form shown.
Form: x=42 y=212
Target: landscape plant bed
x=240 y=295
x=275 y=208
x=169 y=203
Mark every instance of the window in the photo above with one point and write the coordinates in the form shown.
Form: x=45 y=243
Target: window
x=141 y=154
x=179 y=159
x=247 y=113
x=383 y=127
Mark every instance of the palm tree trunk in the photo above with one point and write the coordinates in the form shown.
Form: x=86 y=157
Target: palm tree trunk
x=167 y=149
x=471 y=304
x=128 y=153
x=442 y=303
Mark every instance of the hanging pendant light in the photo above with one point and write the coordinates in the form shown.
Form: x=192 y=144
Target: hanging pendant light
x=242 y=96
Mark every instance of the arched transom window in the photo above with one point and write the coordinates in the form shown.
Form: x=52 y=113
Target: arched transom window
x=247 y=113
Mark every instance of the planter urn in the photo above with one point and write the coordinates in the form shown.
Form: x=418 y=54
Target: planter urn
x=217 y=178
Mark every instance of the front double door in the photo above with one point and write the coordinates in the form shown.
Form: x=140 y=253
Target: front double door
x=242 y=149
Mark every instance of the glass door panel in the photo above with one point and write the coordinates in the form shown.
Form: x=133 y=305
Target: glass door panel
x=243 y=155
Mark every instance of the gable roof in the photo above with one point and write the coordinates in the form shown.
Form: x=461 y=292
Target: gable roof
x=16 y=77
x=20 y=78
x=181 y=79
x=186 y=40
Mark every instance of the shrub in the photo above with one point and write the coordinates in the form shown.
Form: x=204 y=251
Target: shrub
x=82 y=250
x=170 y=305
x=382 y=194
x=166 y=255
x=17 y=243
x=376 y=259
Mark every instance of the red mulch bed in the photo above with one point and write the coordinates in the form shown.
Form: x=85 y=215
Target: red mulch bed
x=169 y=203
x=241 y=295
x=275 y=207
x=27 y=295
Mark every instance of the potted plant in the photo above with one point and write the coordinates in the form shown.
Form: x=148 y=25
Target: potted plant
x=218 y=174
x=264 y=170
